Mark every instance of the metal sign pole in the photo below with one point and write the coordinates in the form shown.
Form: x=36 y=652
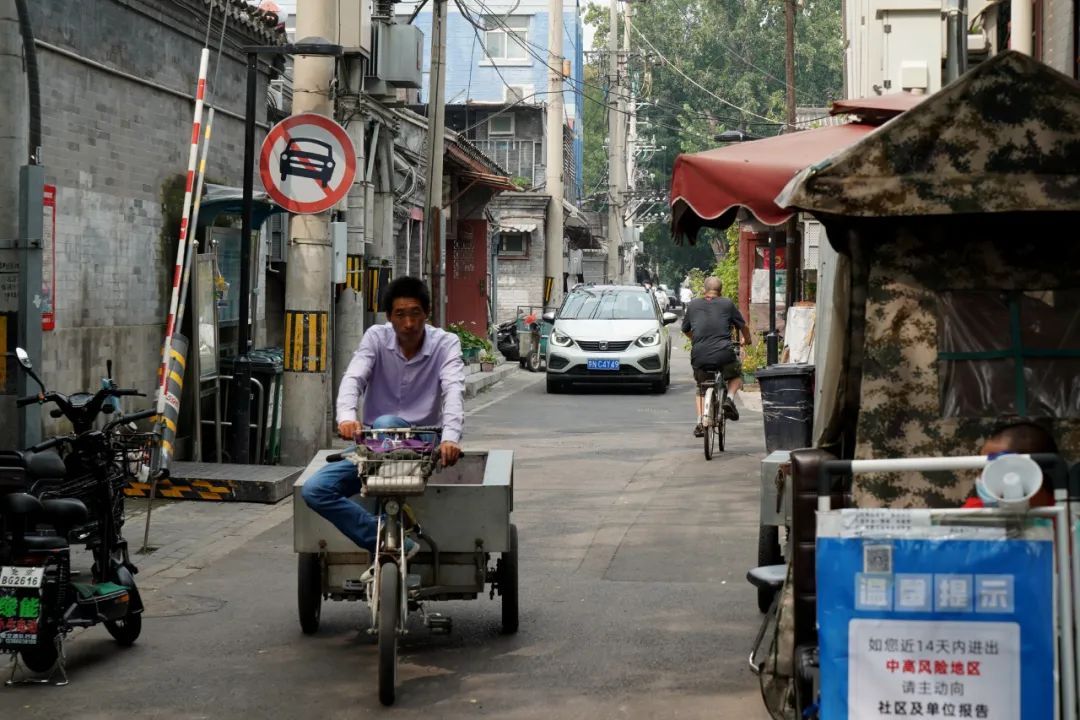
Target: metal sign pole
x=31 y=228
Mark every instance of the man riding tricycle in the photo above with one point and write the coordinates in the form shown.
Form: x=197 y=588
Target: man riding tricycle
x=403 y=517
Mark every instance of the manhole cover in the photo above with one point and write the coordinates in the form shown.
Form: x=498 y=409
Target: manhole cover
x=164 y=606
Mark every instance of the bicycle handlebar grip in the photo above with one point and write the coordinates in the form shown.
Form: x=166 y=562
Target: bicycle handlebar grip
x=335 y=457
x=28 y=400
x=127 y=391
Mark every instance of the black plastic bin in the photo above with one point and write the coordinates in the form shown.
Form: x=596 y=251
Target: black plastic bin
x=267 y=366
x=787 y=401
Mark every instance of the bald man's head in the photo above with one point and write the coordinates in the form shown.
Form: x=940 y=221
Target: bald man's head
x=713 y=285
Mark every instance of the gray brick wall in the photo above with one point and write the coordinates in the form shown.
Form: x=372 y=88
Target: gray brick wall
x=109 y=145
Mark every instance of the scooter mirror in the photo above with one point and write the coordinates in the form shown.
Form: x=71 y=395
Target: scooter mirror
x=24 y=360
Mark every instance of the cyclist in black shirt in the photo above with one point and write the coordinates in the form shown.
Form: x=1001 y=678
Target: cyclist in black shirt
x=708 y=322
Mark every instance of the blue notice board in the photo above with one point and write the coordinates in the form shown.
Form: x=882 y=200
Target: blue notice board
x=928 y=621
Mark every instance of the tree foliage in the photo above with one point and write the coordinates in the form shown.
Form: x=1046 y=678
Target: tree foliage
x=734 y=49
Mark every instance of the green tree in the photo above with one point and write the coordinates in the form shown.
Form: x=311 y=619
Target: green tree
x=734 y=49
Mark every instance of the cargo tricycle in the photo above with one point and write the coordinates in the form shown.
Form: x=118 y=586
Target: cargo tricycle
x=459 y=516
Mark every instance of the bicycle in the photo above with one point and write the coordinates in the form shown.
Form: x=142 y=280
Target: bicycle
x=714 y=422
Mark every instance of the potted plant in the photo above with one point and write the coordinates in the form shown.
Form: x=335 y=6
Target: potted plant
x=753 y=360
x=487 y=361
x=471 y=344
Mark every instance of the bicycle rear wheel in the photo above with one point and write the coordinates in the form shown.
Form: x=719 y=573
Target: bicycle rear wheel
x=708 y=421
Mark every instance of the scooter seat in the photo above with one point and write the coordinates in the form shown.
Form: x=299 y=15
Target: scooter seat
x=45 y=542
x=768 y=576
x=64 y=513
x=20 y=504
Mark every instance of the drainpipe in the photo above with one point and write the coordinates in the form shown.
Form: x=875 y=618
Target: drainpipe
x=1021 y=26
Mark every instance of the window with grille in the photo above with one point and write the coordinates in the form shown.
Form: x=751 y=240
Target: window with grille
x=506 y=37
x=513 y=244
x=1009 y=353
x=501 y=124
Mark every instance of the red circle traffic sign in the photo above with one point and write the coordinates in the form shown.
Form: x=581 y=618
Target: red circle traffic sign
x=307 y=163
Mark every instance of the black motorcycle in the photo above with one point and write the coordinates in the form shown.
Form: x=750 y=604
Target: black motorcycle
x=506 y=340
x=47 y=498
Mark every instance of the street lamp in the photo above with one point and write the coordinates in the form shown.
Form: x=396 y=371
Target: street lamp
x=240 y=417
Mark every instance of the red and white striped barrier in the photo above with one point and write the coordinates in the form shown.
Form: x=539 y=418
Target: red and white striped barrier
x=181 y=248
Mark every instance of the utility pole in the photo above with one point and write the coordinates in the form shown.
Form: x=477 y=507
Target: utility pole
x=434 y=237
x=772 y=339
x=616 y=156
x=789 y=62
x=14 y=124
x=308 y=277
x=349 y=308
x=553 y=264
x=628 y=133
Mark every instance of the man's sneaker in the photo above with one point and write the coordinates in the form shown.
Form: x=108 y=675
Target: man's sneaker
x=699 y=431
x=730 y=411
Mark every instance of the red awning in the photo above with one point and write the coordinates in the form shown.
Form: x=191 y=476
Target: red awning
x=708 y=188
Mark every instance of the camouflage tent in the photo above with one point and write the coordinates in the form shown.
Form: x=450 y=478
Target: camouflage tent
x=962 y=301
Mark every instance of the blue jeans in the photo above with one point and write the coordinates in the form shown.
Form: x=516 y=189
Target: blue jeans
x=329 y=490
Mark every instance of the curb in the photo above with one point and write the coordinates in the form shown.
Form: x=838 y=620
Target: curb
x=478 y=382
x=749 y=400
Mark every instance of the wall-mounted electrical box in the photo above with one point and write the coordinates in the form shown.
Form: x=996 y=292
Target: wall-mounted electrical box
x=354 y=26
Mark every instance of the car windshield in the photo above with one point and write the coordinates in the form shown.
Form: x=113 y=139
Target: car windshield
x=608 y=305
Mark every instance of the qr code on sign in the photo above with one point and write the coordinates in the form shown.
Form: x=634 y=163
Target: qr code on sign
x=877 y=559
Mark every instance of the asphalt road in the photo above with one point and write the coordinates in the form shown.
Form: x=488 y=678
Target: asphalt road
x=633 y=598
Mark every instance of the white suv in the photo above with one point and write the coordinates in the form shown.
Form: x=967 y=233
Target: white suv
x=609 y=334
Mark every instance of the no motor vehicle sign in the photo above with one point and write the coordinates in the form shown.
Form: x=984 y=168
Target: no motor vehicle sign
x=307 y=163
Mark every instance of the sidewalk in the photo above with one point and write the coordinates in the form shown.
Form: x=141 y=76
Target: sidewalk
x=477 y=382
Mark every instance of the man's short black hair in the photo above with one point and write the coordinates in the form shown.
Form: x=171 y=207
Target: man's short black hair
x=1024 y=436
x=407 y=287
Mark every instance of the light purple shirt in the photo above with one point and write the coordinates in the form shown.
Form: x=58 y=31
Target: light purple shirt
x=427 y=390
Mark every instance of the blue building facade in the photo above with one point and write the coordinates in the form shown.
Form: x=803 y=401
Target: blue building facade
x=509 y=60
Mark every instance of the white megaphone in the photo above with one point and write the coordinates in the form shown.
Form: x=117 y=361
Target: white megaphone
x=1010 y=481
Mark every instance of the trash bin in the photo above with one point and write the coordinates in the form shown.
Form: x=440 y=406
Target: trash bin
x=787 y=402
x=267 y=367
x=267 y=364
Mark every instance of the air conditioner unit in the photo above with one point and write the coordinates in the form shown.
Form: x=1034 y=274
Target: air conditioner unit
x=518 y=93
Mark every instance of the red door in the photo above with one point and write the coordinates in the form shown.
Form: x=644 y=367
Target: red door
x=466 y=270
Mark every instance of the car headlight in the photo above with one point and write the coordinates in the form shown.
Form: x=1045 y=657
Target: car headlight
x=649 y=339
x=557 y=338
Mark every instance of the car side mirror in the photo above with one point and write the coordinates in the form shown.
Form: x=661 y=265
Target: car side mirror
x=670 y=317
x=549 y=316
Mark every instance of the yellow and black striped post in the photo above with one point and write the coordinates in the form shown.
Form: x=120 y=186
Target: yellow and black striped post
x=354 y=272
x=306 y=340
x=371 y=289
x=549 y=285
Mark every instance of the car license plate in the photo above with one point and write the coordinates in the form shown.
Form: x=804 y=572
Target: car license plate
x=21 y=577
x=602 y=364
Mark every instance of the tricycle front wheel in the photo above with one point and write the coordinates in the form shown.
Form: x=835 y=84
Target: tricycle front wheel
x=508 y=584
x=309 y=591
x=389 y=610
